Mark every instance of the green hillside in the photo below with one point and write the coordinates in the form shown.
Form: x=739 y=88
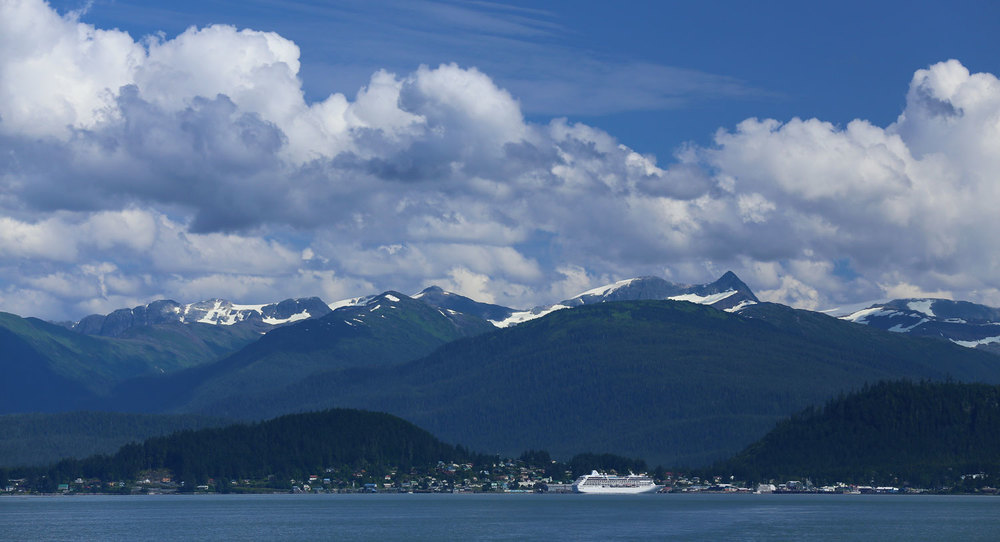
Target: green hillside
x=42 y=439
x=190 y=345
x=926 y=434
x=672 y=382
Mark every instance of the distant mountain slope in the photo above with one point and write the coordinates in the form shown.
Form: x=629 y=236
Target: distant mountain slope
x=41 y=439
x=927 y=434
x=214 y=312
x=727 y=293
x=672 y=382
x=48 y=368
x=961 y=322
x=32 y=381
x=385 y=329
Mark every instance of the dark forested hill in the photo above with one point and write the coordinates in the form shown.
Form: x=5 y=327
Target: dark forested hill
x=672 y=382
x=293 y=446
x=925 y=434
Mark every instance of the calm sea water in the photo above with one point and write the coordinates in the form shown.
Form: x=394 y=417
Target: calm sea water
x=500 y=517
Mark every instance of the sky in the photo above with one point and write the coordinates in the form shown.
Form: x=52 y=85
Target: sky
x=831 y=154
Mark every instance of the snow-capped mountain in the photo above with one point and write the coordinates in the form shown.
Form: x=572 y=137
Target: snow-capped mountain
x=728 y=293
x=213 y=311
x=961 y=322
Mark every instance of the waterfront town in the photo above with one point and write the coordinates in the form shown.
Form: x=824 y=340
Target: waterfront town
x=502 y=476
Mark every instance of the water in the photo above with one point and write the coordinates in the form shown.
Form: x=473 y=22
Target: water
x=500 y=517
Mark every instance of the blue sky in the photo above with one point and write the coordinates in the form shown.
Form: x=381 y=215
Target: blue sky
x=837 y=61
x=516 y=152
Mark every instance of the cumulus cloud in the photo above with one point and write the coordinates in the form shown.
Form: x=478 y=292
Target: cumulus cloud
x=908 y=204
x=193 y=166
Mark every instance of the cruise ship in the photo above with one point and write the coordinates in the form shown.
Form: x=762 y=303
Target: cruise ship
x=599 y=482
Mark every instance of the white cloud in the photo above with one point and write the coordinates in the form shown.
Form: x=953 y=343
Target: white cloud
x=465 y=282
x=45 y=239
x=130 y=228
x=792 y=291
x=575 y=280
x=754 y=207
x=57 y=72
x=906 y=290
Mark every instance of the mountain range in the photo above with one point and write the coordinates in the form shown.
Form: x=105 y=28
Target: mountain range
x=672 y=382
x=677 y=374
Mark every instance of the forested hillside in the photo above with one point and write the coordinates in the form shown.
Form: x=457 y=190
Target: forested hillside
x=925 y=434
x=288 y=447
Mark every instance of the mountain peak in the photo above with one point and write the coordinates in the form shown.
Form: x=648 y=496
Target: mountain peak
x=442 y=299
x=729 y=282
x=431 y=290
x=730 y=278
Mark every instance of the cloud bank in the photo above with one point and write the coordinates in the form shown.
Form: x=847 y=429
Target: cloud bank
x=194 y=167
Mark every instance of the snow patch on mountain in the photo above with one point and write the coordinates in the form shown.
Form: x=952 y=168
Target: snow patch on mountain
x=862 y=316
x=900 y=328
x=923 y=306
x=221 y=312
x=293 y=318
x=607 y=289
x=352 y=302
x=980 y=342
x=519 y=317
x=703 y=299
x=224 y=313
x=742 y=305
x=847 y=310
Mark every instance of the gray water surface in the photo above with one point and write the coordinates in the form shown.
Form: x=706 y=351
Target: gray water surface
x=500 y=517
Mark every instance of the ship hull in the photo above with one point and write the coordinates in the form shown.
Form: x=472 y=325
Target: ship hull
x=614 y=490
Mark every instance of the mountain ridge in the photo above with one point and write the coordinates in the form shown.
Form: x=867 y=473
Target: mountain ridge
x=964 y=323
x=212 y=311
x=726 y=293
